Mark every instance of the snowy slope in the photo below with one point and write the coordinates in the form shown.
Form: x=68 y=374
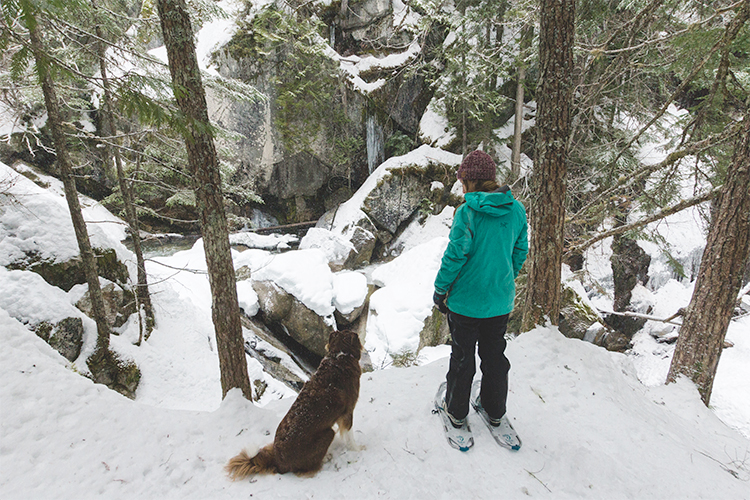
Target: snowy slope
x=590 y=430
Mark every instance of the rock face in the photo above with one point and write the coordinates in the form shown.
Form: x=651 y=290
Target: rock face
x=310 y=137
x=305 y=138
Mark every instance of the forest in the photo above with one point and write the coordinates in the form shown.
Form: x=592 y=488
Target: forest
x=317 y=142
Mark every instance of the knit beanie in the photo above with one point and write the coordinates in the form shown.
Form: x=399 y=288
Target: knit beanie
x=477 y=165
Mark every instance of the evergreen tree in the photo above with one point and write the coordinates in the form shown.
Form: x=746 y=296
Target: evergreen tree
x=104 y=364
x=719 y=279
x=547 y=213
x=142 y=295
x=204 y=167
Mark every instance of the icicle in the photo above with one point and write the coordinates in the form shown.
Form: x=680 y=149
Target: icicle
x=375 y=153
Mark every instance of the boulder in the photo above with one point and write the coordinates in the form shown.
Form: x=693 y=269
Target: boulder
x=336 y=248
x=112 y=370
x=579 y=320
x=297 y=320
x=66 y=274
x=576 y=316
x=118 y=305
x=629 y=268
x=361 y=234
x=395 y=193
x=65 y=336
x=271 y=362
x=395 y=198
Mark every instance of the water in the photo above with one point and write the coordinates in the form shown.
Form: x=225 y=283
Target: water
x=164 y=245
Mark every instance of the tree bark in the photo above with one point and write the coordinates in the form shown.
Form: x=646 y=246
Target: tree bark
x=204 y=169
x=141 y=292
x=547 y=211
x=54 y=122
x=719 y=280
x=515 y=160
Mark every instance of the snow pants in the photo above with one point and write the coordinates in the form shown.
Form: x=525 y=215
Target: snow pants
x=490 y=334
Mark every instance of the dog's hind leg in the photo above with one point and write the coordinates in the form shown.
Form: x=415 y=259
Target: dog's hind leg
x=311 y=458
x=345 y=430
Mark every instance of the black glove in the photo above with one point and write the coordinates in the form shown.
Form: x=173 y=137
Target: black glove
x=439 y=300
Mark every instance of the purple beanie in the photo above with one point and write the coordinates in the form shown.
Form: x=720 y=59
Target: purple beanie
x=477 y=165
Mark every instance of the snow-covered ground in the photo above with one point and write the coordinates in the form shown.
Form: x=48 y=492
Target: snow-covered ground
x=590 y=430
x=594 y=424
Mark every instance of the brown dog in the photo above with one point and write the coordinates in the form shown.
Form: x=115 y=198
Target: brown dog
x=305 y=432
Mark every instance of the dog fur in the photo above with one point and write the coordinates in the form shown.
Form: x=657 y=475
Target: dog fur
x=306 y=431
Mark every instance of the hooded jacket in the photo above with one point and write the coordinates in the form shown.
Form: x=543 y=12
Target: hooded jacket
x=488 y=245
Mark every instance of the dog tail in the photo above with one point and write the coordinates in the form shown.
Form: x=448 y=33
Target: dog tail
x=243 y=466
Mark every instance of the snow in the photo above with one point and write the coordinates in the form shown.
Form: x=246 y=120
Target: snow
x=399 y=308
x=304 y=274
x=349 y=291
x=212 y=35
x=9 y=122
x=37 y=221
x=594 y=424
x=353 y=65
x=335 y=247
x=215 y=34
x=590 y=430
x=434 y=128
x=264 y=241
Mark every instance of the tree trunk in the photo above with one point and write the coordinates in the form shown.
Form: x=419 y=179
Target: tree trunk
x=719 y=279
x=204 y=169
x=141 y=292
x=547 y=211
x=54 y=121
x=515 y=160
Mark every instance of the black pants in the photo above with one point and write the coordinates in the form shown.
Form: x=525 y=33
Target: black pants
x=466 y=332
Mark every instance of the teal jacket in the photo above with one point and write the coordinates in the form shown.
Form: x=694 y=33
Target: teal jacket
x=488 y=245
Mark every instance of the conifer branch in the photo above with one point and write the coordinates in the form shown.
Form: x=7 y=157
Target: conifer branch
x=729 y=35
x=690 y=149
x=576 y=249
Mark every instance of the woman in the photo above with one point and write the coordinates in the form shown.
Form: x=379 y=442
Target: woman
x=475 y=288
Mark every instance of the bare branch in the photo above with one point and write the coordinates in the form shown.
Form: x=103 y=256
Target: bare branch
x=630 y=314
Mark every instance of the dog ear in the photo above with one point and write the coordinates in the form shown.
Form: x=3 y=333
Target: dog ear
x=334 y=342
x=353 y=344
x=344 y=341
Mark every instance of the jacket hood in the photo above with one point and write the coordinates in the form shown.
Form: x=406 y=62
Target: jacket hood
x=496 y=203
